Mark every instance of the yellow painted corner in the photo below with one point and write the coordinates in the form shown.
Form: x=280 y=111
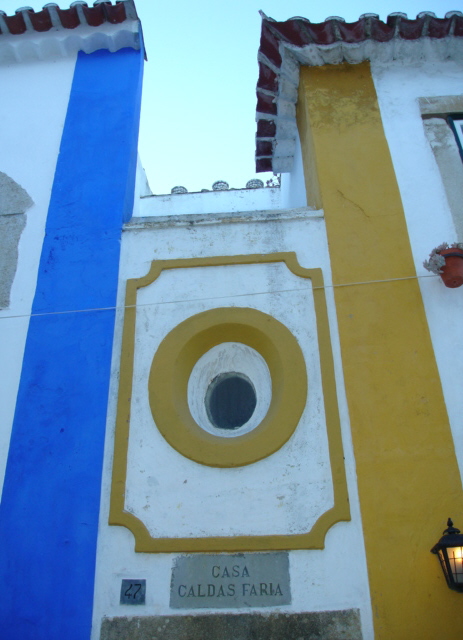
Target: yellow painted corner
x=408 y=478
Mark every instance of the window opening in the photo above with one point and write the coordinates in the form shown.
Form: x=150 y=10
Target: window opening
x=230 y=400
x=456 y=122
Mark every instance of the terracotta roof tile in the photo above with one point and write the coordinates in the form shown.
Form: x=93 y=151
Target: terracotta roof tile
x=79 y=13
x=285 y=45
x=54 y=32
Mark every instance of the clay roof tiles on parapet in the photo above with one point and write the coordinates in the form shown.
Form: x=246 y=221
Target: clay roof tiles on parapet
x=54 y=32
x=286 y=45
x=79 y=13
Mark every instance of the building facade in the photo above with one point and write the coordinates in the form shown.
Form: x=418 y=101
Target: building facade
x=71 y=87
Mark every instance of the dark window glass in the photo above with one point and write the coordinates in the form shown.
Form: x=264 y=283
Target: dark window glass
x=230 y=400
x=456 y=122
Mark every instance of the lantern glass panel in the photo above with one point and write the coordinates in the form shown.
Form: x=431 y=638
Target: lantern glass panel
x=455 y=555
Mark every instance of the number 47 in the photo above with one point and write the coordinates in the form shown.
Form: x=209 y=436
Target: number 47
x=136 y=586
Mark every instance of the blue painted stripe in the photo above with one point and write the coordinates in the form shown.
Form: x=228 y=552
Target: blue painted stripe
x=51 y=498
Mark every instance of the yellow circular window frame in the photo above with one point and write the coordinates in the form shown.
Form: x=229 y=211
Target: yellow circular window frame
x=181 y=349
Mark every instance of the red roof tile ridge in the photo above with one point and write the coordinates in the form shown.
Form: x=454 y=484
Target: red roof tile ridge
x=25 y=19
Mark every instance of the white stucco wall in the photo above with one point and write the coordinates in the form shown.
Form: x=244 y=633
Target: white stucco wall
x=427 y=212
x=229 y=201
x=33 y=103
x=293 y=193
x=335 y=578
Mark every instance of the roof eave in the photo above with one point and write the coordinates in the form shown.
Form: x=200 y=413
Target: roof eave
x=55 y=32
x=285 y=46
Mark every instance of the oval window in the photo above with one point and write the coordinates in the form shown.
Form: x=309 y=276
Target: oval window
x=230 y=400
x=271 y=388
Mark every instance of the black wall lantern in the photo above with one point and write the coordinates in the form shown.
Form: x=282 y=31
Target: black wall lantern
x=450 y=552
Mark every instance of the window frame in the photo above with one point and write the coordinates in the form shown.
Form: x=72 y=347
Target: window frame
x=452 y=119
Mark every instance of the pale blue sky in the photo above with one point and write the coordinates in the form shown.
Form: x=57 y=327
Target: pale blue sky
x=198 y=111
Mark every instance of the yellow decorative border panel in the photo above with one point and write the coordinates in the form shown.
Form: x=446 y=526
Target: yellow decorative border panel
x=167 y=391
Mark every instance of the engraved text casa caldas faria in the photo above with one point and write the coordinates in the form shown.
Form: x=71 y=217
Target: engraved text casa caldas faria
x=222 y=584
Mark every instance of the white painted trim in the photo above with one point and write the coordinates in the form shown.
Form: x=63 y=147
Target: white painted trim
x=224 y=358
x=63 y=43
x=191 y=219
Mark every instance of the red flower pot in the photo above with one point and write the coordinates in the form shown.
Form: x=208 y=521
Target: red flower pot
x=452 y=271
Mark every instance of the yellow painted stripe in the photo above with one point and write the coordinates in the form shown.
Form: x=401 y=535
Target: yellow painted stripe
x=408 y=477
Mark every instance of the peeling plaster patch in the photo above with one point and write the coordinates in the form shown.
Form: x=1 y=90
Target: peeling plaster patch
x=14 y=202
x=13 y=198
x=323 y=625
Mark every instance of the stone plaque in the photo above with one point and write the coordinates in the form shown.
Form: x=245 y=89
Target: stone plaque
x=240 y=580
